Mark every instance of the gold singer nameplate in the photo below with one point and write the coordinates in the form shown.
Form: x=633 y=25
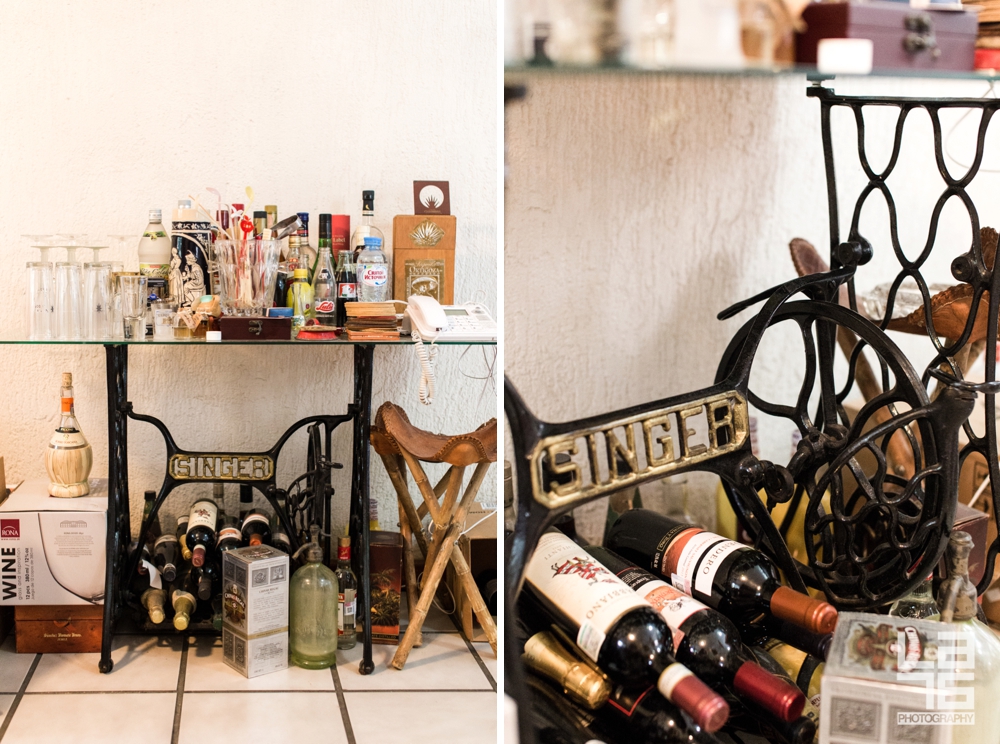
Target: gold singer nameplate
x=644 y=442
x=214 y=467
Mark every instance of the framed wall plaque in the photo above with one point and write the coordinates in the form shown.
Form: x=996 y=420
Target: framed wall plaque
x=431 y=197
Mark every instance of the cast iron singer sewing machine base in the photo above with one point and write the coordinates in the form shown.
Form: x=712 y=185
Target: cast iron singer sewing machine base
x=257 y=468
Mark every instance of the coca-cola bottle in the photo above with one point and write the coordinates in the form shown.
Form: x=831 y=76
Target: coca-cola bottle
x=728 y=576
x=611 y=625
x=347 y=285
x=707 y=642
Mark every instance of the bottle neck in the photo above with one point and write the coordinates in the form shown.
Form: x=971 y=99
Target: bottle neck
x=67 y=421
x=344 y=556
x=367 y=216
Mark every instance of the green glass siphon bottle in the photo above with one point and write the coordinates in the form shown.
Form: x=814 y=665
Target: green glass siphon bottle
x=312 y=610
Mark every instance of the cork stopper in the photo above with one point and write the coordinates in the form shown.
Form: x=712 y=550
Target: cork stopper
x=67 y=379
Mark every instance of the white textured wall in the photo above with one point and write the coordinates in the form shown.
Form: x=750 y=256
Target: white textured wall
x=110 y=108
x=638 y=207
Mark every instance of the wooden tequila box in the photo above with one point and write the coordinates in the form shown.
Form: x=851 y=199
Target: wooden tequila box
x=423 y=258
x=45 y=629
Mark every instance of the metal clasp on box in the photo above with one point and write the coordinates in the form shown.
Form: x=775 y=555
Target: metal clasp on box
x=921 y=35
x=256 y=327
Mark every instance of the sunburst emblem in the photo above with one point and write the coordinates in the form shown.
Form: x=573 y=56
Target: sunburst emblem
x=427 y=234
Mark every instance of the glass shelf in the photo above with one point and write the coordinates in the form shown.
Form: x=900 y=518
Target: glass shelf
x=514 y=73
x=202 y=342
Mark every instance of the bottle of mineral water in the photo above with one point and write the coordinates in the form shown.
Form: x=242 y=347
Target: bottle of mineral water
x=373 y=272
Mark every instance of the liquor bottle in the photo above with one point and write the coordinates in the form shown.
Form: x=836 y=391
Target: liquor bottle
x=312 y=610
x=228 y=537
x=707 y=642
x=306 y=253
x=246 y=500
x=340 y=233
x=347 y=285
x=69 y=458
x=324 y=280
x=256 y=529
x=300 y=299
x=166 y=556
x=182 y=531
x=190 y=240
x=259 y=223
x=366 y=229
x=153 y=532
x=279 y=538
x=154 y=262
x=728 y=576
x=612 y=626
x=373 y=272
x=183 y=599
x=271 y=215
x=201 y=530
x=347 y=602
x=918 y=604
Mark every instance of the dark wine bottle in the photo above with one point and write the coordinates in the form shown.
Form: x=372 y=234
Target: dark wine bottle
x=182 y=535
x=279 y=539
x=804 y=670
x=556 y=720
x=207 y=577
x=144 y=557
x=246 y=500
x=256 y=529
x=611 y=625
x=151 y=598
x=228 y=537
x=201 y=530
x=166 y=556
x=707 y=642
x=728 y=576
x=811 y=710
x=147 y=510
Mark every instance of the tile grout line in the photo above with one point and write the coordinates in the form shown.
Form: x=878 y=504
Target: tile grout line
x=345 y=717
x=475 y=654
x=20 y=695
x=181 y=679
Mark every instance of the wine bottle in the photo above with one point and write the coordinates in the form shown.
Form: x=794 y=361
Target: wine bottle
x=728 y=576
x=706 y=641
x=256 y=529
x=810 y=711
x=145 y=558
x=183 y=599
x=228 y=537
x=814 y=644
x=206 y=577
x=182 y=530
x=549 y=658
x=556 y=720
x=151 y=598
x=805 y=670
x=279 y=539
x=611 y=625
x=201 y=530
x=166 y=554
x=154 y=531
x=246 y=500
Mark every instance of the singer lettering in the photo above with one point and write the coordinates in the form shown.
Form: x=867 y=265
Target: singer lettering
x=221 y=467
x=606 y=458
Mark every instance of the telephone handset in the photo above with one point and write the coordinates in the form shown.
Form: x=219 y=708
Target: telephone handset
x=430 y=321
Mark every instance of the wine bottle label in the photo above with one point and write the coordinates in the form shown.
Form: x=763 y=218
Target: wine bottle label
x=627 y=699
x=154 y=574
x=674 y=606
x=692 y=560
x=253 y=518
x=581 y=588
x=228 y=533
x=164 y=539
x=348 y=608
x=203 y=514
x=344 y=553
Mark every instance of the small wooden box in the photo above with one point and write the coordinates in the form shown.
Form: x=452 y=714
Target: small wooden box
x=385 y=556
x=900 y=34
x=66 y=629
x=255 y=329
x=423 y=258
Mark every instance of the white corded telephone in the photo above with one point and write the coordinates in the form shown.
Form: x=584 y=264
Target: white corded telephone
x=430 y=321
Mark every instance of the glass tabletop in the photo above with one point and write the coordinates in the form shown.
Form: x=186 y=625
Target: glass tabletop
x=515 y=72
x=404 y=341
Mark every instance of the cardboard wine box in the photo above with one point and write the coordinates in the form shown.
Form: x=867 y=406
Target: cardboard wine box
x=385 y=556
x=52 y=551
x=424 y=256
x=255 y=610
x=58 y=629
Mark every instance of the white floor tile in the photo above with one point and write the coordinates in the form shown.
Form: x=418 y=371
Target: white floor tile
x=464 y=718
x=261 y=716
x=5 y=703
x=442 y=663
x=13 y=666
x=142 y=663
x=207 y=672
x=489 y=658
x=93 y=719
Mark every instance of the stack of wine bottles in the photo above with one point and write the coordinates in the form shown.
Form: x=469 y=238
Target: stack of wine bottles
x=180 y=571
x=667 y=634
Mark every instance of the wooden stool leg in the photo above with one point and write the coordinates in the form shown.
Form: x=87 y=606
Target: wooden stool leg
x=464 y=574
x=408 y=567
x=445 y=516
x=433 y=576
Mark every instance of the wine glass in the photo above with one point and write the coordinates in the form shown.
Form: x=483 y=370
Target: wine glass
x=70 y=553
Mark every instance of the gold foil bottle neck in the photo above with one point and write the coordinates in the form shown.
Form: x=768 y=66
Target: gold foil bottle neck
x=546 y=655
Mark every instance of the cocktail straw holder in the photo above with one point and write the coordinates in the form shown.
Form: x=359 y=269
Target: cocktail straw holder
x=248 y=270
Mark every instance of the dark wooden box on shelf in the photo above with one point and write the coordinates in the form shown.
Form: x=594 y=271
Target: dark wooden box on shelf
x=44 y=629
x=255 y=329
x=904 y=38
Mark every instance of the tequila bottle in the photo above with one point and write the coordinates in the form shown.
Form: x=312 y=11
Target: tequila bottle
x=347 y=582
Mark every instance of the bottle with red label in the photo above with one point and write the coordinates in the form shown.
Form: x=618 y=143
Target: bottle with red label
x=324 y=281
x=733 y=578
x=707 y=642
x=347 y=285
x=611 y=625
x=373 y=272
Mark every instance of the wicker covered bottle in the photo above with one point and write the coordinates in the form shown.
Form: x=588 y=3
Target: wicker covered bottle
x=69 y=457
